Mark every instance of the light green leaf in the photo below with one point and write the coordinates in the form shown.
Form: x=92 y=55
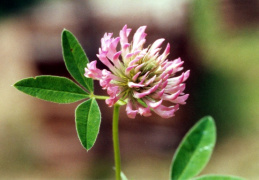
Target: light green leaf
x=75 y=59
x=195 y=150
x=88 y=119
x=218 y=177
x=123 y=176
x=52 y=88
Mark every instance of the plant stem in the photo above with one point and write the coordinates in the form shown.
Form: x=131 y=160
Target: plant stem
x=116 y=147
x=100 y=97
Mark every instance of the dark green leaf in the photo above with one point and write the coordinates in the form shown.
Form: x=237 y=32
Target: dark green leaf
x=195 y=150
x=88 y=119
x=52 y=88
x=75 y=59
x=218 y=177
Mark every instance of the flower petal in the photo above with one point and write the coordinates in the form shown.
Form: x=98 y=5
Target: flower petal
x=91 y=71
x=174 y=89
x=135 y=85
x=124 y=33
x=139 y=37
x=134 y=78
x=127 y=71
x=159 y=94
x=145 y=92
x=153 y=104
x=166 y=112
x=113 y=91
x=144 y=111
x=151 y=80
x=186 y=75
x=171 y=97
x=130 y=112
x=176 y=80
x=165 y=53
x=111 y=101
x=155 y=46
x=180 y=99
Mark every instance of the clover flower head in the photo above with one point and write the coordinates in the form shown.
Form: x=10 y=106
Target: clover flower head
x=142 y=77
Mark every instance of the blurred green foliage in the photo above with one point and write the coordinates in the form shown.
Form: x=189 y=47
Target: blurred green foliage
x=230 y=65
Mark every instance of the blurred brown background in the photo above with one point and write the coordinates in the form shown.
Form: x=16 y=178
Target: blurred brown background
x=219 y=42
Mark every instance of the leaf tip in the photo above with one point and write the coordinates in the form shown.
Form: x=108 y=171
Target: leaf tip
x=15 y=84
x=209 y=119
x=88 y=149
x=64 y=30
x=64 y=34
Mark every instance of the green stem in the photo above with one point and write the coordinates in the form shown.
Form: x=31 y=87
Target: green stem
x=115 y=133
x=100 y=97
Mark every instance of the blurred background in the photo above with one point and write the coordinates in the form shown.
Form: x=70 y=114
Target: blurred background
x=219 y=42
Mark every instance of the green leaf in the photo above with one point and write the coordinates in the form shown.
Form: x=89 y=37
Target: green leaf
x=195 y=150
x=75 y=59
x=52 y=88
x=88 y=119
x=123 y=176
x=218 y=177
